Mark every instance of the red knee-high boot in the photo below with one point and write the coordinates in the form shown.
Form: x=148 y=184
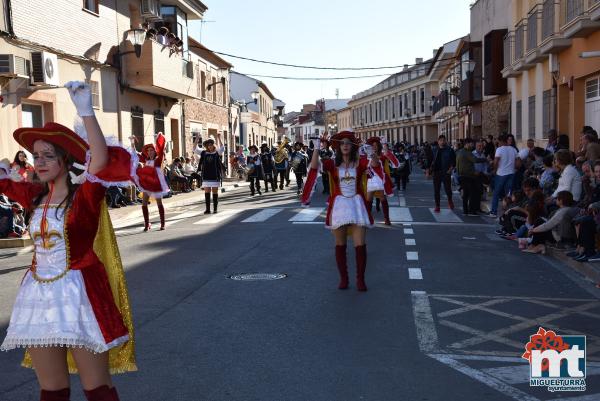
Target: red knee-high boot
x=361 y=266
x=386 y=212
x=102 y=393
x=161 y=212
x=146 y=218
x=58 y=395
x=342 y=265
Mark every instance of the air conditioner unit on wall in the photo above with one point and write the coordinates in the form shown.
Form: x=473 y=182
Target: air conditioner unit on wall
x=150 y=9
x=44 y=69
x=13 y=66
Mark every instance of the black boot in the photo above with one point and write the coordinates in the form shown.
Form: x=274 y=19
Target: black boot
x=215 y=202
x=207 y=201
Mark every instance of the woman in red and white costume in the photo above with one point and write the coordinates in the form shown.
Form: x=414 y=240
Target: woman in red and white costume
x=347 y=212
x=380 y=184
x=152 y=157
x=72 y=310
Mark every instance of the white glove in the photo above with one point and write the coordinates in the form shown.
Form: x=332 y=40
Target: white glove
x=81 y=95
x=316 y=143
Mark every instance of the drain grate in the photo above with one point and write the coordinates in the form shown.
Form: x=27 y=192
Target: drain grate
x=257 y=276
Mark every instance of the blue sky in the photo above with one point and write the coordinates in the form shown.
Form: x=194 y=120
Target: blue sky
x=332 y=33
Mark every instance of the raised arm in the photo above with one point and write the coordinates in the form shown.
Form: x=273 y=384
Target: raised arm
x=81 y=95
x=314 y=161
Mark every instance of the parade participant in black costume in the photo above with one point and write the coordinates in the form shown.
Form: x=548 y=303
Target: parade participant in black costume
x=403 y=170
x=299 y=164
x=268 y=165
x=255 y=171
x=210 y=167
x=325 y=154
x=289 y=149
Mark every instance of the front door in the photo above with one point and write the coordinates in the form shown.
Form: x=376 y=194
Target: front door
x=175 y=137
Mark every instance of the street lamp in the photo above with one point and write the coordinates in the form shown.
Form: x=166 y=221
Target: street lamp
x=136 y=36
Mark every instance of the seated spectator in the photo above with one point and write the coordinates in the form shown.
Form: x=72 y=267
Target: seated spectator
x=190 y=172
x=549 y=176
x=535 y=219
x=586 y=225
x=588 y=184
x=570 y=179
x=115 y=197
x=176 y=175
x=19 y=226
x=515 y=211
x=560 y=223
x=12 y=221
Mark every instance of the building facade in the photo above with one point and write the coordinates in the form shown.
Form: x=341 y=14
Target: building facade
x=139 y=80
x=399 y=108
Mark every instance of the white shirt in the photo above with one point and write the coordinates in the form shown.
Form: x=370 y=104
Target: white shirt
x=524 y=153
x=506 y=165
x=570 y=180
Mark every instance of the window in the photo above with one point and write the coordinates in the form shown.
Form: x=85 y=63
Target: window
x=394 y=107
x=203 y=84
x=371 y=112
x=159 y=121
x=518 y=130
x=546 y=111
x=400 y=106
x=137 y=126
x=91 y=5
x=531 y=133
x=386 y=109
x=213 y=89
x=224 y=93
x=95 y=89
x=414 y=102
x=422 y=101
x=592 y=89
x=406 y=106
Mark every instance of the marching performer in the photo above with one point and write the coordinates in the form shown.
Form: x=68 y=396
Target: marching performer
x=266 y=159
x=72 y=310
x=379 y=184
x=152 y=158
x=347 y=212
x=402 y=172
x=255 y=171
x=299 y=165
x=281 y=162
x=325 y=154
x=211 y=168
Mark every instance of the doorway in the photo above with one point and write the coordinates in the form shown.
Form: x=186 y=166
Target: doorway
x=175 y=137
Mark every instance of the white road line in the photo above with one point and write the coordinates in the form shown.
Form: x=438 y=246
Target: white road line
x=409 y=241
x=393 y=202
x=400 y=214
x=309 y=222
x=402 y=202
x=183 y=216
x=412 y=255
x=484 y=378
x=414 y=273
x=445 y=216
x=408 y=231
x=407 y=225
x=518 y=374
x=219 y=217
x=426 y=333
x=263 y=215
x=308 y=214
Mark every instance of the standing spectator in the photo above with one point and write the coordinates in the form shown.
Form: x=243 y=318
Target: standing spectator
x=482 y=178
x=22 y=167
x=444 y=161
x=490 y=148
x=552 y=141
x=504 y=164
x=465 y=167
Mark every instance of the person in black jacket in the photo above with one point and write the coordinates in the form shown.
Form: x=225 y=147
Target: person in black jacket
x=299 y=164
x=268 y=165
x=210 y=168
x=255 y=169
x=325 y=154
x=403 y=171
x=444 y=161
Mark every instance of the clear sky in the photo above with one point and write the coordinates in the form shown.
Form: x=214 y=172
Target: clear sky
x=331 y=33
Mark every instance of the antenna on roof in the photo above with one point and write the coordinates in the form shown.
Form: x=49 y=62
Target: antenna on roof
x=337 y=93
x=202 y=22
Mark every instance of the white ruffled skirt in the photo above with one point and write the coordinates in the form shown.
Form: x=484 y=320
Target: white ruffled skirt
x=55 y=314
x=347 y=211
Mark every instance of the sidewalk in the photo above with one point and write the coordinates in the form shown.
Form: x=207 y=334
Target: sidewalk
x=121 y=216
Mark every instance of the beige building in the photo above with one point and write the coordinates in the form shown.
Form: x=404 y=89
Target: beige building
x=344 y=119
x=399 y=108
x=138 y=90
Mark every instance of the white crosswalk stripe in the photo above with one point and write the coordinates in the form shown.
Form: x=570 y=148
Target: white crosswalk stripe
x=445 y=216
x=263 y=215
x=308 y=214
x=400 y=214
x=414 y=273
x=219 y=217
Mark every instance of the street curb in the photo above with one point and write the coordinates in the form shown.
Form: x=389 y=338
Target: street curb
x=6 y=243
x=588 y=270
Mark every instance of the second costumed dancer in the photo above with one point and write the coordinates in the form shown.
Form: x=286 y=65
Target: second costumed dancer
x=379 y=184
x=347 y=211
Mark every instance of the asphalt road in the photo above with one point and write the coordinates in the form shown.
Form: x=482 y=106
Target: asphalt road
x=449 y=309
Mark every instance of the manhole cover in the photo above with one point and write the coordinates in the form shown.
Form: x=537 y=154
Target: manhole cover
x=257 y=276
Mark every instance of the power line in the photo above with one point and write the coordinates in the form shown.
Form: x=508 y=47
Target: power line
x=316 y=78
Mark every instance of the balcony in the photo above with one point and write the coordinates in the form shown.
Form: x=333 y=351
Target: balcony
x=158 y=71
x=493 y=63
x=470 y=90
x=533 y=54
x=552 y=39
x=508 y=45
x=594 y=10
x=576 y=21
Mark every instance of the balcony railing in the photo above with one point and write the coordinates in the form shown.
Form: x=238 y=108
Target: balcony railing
x=508 y=50
x=532 y=31
x=548 y=19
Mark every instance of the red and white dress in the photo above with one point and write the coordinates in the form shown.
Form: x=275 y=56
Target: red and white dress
x=380 y=177
x=152 y=169
x=67 y=299
x=347 y=203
